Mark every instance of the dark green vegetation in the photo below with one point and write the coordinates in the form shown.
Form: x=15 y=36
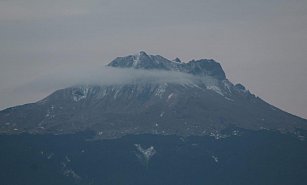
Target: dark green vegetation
x=254 y=157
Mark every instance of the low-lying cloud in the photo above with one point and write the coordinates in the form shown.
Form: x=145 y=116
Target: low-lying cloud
x=101 y=76
x=107 y=76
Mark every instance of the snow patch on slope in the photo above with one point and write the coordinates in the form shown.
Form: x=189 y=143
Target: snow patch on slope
x=161 y=90
x=80 y=93
x=145 y=154
x=215 y=89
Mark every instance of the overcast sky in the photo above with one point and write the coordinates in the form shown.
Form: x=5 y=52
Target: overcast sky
x=260 y=43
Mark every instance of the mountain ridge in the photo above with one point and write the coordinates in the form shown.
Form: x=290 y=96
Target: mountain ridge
x=144 y=61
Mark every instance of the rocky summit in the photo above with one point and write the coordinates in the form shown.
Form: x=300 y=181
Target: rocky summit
x=202 y=102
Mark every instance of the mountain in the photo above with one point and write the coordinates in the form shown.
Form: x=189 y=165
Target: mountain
x=202 y=102
x=156 y=121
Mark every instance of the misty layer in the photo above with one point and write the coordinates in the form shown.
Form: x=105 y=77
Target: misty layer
x=139 y=69
x=114 y=76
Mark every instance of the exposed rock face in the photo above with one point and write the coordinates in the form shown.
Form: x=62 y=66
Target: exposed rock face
x=202 y=67
x=204 y=106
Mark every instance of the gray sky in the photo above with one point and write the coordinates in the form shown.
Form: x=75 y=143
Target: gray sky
x=261 y=44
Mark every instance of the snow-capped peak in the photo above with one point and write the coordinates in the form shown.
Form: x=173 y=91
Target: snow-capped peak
x=177 y=60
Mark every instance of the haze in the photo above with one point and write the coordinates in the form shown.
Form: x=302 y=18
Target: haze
x=261 y=44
